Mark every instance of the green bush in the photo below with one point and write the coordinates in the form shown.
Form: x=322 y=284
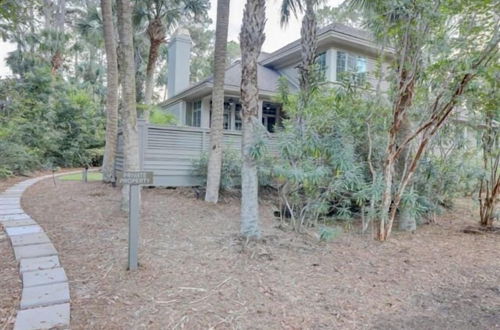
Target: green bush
x=156 y=115
x=16 y=159
x=231 y=169
x=159 y=117
x=47 y=121
x=318 y=167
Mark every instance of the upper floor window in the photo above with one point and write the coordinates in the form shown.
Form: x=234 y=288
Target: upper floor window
x=350 y=63
x=197 y=113
x=321 y=62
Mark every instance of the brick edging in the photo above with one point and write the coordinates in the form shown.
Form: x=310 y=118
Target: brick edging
x=45 y=299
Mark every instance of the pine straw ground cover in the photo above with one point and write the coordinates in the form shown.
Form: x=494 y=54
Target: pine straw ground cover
x=196 y=274
x=10 y=283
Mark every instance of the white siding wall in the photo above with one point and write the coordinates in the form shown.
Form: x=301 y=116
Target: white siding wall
x=331 y=64
x=178 y=109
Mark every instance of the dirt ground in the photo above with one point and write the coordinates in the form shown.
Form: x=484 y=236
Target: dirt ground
x=196 y=274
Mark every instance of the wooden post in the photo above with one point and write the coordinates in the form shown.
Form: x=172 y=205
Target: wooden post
x=133 y=224
x=134 y=179
x=85 y=173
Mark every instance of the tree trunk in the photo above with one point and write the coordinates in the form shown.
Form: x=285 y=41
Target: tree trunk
x=157 y=33
x=308 y=33
x=386 y=196
x=57 y=58
x=217 y=129
x=406 y=219
x=108 y=164
x=129 y=111
x=489 y=190
x=251 y=38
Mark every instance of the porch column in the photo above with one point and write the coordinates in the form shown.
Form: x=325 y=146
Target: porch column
x=331 y=65
x=205 y=112
x=232 y=111
x=261 y=102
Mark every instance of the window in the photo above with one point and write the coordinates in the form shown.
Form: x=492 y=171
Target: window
x=237 y=117
x=227 y=116
x=269 y=116
x=196 y=114
x=321 y=62
x=350 y=63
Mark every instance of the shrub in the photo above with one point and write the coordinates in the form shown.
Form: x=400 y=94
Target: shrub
x=231 y=169
x=230 y=172
x=318 y=166
x=16 y=159
x=46 y=121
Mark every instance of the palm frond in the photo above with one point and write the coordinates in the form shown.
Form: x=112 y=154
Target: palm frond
x=289 y=7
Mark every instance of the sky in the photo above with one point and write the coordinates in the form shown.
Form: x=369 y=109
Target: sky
x=276 y=36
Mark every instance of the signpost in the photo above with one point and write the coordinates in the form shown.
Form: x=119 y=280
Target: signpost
x=134 y=180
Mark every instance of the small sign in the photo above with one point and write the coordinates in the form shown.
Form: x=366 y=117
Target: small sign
x=134 y=180
x=136 y=177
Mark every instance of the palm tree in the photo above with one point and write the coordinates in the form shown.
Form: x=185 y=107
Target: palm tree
x=162 y=15
x=112 y=93
x=129 y=111
x=60 y=15
x=251 y=38
x=308 y=33
x=216 y=131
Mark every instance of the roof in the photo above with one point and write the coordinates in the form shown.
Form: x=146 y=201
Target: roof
x=334 y=33
x=268 y=76
x=267 y=80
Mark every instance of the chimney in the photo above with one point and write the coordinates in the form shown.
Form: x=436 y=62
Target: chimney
x=179 y=60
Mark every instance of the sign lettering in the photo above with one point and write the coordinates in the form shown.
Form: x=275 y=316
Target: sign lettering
x=139 y=177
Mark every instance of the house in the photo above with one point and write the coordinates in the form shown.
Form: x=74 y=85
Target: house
x=340 y=49
x=169 y=151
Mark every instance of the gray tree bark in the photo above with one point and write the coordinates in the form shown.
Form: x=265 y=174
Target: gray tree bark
x=251 y=38
x=217 y=129
x=406 y=218
x=108 y=164
x=308 y=34
x=129 y=111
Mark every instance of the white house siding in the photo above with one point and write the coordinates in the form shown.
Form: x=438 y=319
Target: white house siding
x=292 y=74
x=178 y=109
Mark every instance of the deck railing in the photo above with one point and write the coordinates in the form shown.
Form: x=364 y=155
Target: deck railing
x=169 y=151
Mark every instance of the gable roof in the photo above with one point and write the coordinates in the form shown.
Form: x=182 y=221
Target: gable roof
x=332 y=34
x=269 y=63
x=267 y=80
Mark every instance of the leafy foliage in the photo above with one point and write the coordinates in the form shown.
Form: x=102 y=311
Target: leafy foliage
x=318 y=166
x=231 y=169
x=47 y=122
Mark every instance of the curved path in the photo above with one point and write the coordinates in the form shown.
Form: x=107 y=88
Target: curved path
x=45 y=300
